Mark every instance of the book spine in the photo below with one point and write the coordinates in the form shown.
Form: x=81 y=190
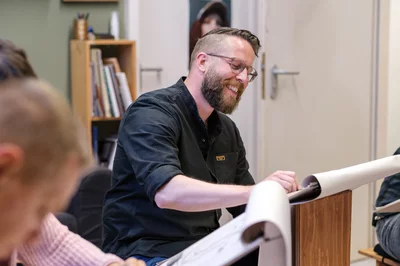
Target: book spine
x=126 y=94
x=106 y=100
x=111 y=92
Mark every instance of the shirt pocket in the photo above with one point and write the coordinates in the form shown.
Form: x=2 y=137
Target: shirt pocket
x=225 y=167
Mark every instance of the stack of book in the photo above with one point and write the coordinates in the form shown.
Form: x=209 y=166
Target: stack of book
x=110 y=90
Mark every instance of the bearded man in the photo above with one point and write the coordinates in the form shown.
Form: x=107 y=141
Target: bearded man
x=180 y=159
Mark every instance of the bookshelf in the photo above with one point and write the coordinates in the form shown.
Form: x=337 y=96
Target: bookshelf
x=78 y=1
x=81 y=81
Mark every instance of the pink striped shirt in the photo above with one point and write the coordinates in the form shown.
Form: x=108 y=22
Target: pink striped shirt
x=60 y=247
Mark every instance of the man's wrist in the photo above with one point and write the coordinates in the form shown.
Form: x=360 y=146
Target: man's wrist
x=248 y=190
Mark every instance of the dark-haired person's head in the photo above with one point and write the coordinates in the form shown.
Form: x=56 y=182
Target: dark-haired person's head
x=13 y=62
x=212 y=16
x=42 y=149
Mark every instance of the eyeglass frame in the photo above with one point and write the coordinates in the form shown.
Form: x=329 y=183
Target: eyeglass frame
x=249 y=69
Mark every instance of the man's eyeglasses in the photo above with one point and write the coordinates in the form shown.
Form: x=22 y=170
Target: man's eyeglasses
x=237 y=66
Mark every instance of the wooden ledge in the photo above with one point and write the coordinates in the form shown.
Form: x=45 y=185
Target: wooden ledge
x=380 y=261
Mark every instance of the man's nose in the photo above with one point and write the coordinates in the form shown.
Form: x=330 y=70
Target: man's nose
x=243 y=77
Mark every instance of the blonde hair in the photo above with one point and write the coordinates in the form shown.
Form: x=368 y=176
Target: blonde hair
x=35 y=117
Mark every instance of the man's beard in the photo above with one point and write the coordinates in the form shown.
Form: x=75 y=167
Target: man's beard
x=212 y=89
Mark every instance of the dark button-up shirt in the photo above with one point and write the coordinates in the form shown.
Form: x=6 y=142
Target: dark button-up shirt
x=162 y=135
x=389 y=192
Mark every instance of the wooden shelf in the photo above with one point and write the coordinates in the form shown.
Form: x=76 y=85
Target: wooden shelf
x=92 y=1
x=81 y=84
x=96 y=119
x=103 y=42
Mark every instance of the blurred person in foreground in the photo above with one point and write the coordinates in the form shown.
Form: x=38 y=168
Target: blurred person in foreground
x=42 y=154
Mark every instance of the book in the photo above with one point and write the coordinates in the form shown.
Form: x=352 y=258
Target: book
x=332 y=182
x=116 y=88
x=93 y=89
x=95 y=144
x=113 y=61
x=112 y=155
x=124 y=87
x=111 y=93
x=96 y=84
x=266 y=222
x=267 y=228
x=103 y=86
x=311 y=190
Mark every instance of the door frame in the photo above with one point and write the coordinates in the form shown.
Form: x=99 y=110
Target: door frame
x=132 y=32
x=381 y=92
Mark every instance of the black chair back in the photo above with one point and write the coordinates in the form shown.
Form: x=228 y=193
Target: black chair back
x=87 y=204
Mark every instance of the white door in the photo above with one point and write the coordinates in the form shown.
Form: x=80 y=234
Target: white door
x=161 y=31
x=320 y=119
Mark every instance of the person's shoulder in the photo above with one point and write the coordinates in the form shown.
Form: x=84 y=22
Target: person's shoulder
x=159 y=103
x=159 y=96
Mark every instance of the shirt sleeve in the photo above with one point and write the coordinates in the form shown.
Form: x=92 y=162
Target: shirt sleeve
x=149 y=135
x=59 y=246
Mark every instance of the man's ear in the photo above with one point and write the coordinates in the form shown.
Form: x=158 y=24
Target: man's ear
x=201 y=60
x=11 y=160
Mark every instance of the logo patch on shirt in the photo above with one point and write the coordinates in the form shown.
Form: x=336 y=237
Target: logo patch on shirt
x=220 y=158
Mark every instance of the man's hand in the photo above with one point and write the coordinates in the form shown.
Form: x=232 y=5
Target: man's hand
x=287 y=179
x=129 y=262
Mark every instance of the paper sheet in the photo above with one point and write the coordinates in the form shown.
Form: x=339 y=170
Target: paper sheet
x=348 y=178
x=266 y=220
x=274 y=214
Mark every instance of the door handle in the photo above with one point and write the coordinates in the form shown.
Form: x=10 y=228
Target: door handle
x=158 y=70
x=275 y=72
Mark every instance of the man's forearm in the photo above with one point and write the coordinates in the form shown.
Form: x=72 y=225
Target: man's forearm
x=191 y=195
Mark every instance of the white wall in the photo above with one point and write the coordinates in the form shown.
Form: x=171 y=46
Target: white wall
x=393 y=141
x=162 y=33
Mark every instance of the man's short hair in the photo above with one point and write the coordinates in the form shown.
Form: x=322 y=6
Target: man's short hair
x=212 y=42
x=35 y=117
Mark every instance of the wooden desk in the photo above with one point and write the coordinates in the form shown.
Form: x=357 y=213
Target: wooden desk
x=322 y=231
x=369 y=252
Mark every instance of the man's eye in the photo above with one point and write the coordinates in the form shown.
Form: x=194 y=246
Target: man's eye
x=236 y=66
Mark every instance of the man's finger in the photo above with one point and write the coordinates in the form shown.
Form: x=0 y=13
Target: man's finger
x=289 y=173
x=290 y=180
x=134 y=262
